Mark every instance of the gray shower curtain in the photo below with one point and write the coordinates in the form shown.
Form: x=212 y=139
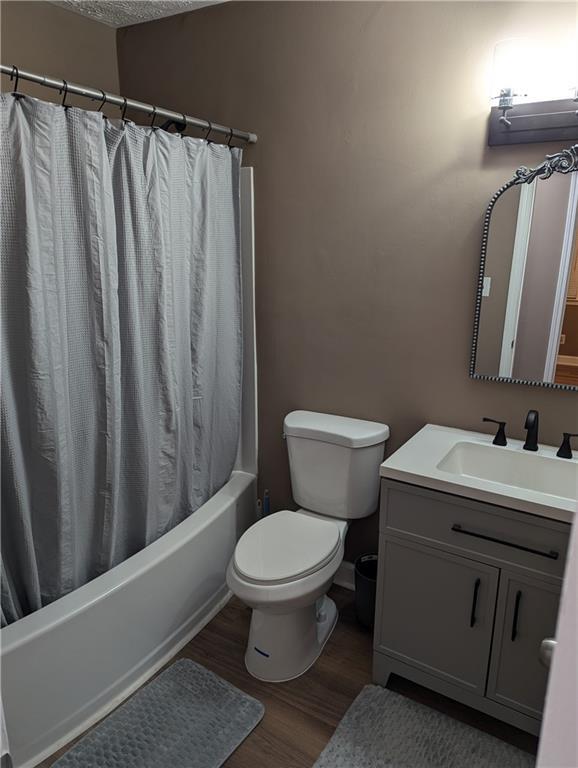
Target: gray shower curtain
x=121 y=340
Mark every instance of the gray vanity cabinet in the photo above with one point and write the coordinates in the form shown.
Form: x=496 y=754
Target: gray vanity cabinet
x=466 y=593
x=526 y=614
x=444 y=608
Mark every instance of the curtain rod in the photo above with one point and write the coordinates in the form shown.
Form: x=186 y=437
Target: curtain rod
x=120 y=101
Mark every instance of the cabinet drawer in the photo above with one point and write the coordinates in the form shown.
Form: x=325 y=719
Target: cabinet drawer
x=474 y=528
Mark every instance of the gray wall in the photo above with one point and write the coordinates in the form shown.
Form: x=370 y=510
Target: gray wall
x=372 y=174
x=49 y=40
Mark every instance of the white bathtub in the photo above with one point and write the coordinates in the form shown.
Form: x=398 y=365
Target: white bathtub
x=69 y=663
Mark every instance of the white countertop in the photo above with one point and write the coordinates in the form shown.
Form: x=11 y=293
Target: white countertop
x=418 y=462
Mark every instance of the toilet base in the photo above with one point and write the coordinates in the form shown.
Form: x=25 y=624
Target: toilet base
x=283 y=646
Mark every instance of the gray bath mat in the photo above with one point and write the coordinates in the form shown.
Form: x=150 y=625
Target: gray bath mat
x=382 y=729
x=187 y=717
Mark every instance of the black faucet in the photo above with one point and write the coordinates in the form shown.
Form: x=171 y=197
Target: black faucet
x=500 y=438
x=531 y=425
x=565 y=450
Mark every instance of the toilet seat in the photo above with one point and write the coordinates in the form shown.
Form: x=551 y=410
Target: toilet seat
x=285 y=546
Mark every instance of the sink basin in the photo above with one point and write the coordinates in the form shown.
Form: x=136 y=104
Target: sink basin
x=467 y=464
x=532 y=471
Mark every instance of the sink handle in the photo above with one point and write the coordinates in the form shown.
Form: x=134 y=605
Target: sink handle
x=565 y=450
x=500 y=438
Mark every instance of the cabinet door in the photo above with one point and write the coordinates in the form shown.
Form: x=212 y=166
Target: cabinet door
x=436 y=612
x=526 y=614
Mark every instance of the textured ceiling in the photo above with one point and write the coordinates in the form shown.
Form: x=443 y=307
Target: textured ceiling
x=121 y=13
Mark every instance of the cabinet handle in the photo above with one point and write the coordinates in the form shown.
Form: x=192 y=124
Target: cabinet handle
x=475 y=602
x=516 y=612
x=552 y=554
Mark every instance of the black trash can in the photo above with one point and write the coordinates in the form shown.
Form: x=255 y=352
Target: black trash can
x=365 y=583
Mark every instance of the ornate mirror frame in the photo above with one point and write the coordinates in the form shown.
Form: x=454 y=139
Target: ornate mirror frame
x=565 y=161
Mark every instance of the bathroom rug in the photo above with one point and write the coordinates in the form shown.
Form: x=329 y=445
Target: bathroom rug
x=383 y=729
x=187 y=717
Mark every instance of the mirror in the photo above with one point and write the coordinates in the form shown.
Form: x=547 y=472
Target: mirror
x=526 y=321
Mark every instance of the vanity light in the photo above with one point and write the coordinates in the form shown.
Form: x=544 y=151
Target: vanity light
x=510 y=73
x=533 y=92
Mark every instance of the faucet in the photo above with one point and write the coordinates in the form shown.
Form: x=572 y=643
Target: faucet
x=531 y=425
x=500 y=438
x=565 y=450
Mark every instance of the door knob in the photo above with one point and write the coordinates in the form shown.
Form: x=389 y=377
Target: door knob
x=546 y=650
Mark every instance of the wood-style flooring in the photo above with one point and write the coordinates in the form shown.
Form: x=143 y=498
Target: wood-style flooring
x=301 y=715
x=566 y=374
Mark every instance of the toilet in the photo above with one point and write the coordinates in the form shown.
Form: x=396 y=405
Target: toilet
x=284 y=564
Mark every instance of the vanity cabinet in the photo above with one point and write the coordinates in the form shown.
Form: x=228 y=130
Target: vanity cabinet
x=466 y=593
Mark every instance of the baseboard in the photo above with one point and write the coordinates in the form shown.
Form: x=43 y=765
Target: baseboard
x=345 y=576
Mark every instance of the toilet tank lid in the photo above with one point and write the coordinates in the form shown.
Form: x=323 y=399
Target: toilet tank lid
x=341 y=430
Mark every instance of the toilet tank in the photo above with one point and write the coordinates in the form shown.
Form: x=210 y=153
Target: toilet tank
x=334 y=463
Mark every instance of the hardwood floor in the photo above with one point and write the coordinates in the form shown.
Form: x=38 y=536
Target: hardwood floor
x=566 y=374
x=301 y=715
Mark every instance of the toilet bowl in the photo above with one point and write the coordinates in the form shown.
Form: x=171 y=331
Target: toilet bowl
x=284 y=564
x=282 y=568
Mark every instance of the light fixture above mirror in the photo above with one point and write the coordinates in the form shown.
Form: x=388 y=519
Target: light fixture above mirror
x=534 y=94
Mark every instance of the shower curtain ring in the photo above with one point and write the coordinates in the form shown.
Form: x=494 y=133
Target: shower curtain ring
x=208 y=133
x=230 y=137
x=123 y=113
x=103 y=102
x=15 y=75
x=184 y=124
x=65 y=89
x=154 y=114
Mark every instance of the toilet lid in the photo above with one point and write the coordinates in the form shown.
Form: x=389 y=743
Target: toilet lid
x=285 y=545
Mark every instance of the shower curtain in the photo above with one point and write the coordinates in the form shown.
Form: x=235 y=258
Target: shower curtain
x=121 y=340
